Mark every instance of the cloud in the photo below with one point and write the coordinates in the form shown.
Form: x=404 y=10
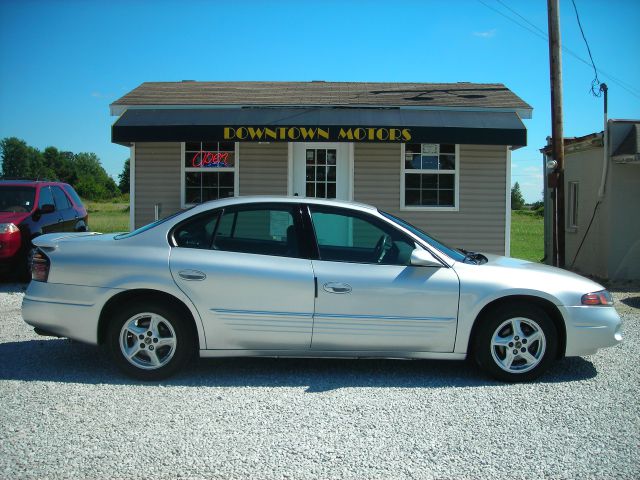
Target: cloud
x=486 y=34
x=96 y=94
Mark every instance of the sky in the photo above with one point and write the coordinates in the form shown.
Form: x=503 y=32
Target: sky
x=63 y=62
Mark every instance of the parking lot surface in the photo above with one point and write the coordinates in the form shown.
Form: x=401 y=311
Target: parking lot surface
x=66 y=412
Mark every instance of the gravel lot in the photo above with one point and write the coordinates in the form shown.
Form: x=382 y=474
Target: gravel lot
x=65 y=412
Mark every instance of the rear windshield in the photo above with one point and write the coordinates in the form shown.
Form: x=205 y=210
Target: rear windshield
x=149 y=226
x=16 y=198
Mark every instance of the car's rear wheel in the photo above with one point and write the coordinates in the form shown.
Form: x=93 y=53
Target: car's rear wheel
x=516 y=343
x=150 y=342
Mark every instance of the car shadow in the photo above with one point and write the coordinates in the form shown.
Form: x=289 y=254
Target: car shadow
x=12 y=287
x=633 y=302
x=61 y=360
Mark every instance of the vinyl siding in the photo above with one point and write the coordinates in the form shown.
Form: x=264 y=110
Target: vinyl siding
x=157 y=178
x=480 y=222
x=263 y=169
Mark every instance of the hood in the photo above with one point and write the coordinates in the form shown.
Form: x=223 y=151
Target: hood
x=521 y=277
x=13 y=217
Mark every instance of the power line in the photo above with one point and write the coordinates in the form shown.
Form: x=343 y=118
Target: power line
x=538 y=32
x=596 y=81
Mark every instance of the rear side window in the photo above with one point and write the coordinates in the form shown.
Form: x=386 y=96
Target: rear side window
x=62 y=202
x=45 y=197
x=72 y=193
x=262 y=231
x=196 y=233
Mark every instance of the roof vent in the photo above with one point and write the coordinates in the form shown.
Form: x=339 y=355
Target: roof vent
x=318 y=81
x=185 y=81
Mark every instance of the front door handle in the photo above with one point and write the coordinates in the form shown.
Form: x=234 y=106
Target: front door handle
x=335 y=287
x=192 y=275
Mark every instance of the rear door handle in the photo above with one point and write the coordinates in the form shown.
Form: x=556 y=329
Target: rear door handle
x=335 y=287
x=190 y=275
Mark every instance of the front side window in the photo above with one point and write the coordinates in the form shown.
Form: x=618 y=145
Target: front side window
x=347 y=237
x=262 y=231
x=45 y=197
x=209 y=171
x=429 y=176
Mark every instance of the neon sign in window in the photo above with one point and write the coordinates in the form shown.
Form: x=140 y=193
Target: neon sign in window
x=205 y=159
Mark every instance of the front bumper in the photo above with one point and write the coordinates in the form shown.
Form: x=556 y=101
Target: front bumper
x=590 y=328
x=71 y=311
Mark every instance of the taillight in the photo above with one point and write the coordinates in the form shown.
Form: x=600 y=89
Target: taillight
x=10 y=240
x=40 y=267
x=602 y=297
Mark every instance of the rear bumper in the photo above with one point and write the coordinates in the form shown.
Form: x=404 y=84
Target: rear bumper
x=591 y=328
x=71 y=311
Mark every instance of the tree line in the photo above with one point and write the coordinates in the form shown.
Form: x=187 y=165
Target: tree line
x=83 y=170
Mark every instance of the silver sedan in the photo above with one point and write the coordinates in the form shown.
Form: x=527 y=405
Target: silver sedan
x=272 y=276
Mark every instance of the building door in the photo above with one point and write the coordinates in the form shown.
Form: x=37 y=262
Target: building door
x=323 y=170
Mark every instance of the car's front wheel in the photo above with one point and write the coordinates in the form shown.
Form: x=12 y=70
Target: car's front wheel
x=150 y=342
x=516 y=343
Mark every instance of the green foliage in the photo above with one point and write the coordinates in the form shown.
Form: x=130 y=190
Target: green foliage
x=517 y=200
x=83 y=171
x=538 y=208
x=123 y=178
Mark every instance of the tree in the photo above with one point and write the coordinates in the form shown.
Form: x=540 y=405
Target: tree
x=123 y=178
x=15 y=158
x=517 y=200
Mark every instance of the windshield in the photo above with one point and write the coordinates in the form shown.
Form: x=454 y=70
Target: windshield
x=451 y=252
x=148 y=226
x=16 y=199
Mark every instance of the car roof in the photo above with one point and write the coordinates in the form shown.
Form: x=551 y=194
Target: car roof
x=248 y=200
x=30 y=182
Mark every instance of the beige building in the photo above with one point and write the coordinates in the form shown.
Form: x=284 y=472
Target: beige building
x=602 y=200
x=438 y=155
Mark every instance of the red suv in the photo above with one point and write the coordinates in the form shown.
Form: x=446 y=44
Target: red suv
x=32 y=208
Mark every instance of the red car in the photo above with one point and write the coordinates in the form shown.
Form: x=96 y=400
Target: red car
x=32 y=208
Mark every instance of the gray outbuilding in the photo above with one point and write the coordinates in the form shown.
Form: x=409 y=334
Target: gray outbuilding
x=602 y=202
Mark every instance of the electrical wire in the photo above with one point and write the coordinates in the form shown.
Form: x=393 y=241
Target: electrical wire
x=596 y=81
x=584 y=237
x=538 y=32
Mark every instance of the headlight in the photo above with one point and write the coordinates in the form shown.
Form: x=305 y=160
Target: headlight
x=603 y=297
x=8 y=228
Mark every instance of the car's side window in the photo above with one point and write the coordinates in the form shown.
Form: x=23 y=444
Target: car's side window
x=45 y=197
x=347 y=237
x=262 y=231
x=62 y=202
x=197 y=233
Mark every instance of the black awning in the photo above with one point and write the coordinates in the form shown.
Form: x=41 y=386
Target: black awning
x=319 y=124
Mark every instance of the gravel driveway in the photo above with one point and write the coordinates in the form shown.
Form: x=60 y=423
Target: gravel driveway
x=65 y=412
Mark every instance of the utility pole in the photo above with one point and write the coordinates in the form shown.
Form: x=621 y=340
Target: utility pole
x=557 y=140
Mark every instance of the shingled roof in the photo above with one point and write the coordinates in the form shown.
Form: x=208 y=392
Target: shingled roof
x=319 y=93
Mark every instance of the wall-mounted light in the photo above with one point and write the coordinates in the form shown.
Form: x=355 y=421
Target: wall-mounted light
x=552 y=164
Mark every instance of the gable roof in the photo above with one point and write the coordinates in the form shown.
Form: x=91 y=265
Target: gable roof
x=320 y=93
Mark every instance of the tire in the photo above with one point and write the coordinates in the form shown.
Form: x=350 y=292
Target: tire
x=150 y=341
x=515 y=343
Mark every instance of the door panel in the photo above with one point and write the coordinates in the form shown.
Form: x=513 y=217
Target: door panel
x=248 y=301
x=388 y=307
x=242 y=269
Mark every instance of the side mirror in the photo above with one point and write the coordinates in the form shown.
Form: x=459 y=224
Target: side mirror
x=422 y=258
x=47 y=208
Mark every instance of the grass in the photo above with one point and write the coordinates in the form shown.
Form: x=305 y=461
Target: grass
x=527 y=229
x=108 y=217
x=527 y=235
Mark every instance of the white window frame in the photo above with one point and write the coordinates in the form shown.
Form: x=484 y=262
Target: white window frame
x=183 y=172
x=573 y=206
x=430 y=208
